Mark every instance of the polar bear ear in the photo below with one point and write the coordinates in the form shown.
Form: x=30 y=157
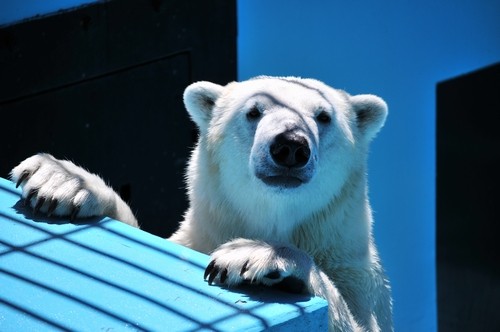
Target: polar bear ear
x=199 y=99
x=371 y=112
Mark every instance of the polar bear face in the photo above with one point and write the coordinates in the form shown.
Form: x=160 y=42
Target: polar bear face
x=280 y=149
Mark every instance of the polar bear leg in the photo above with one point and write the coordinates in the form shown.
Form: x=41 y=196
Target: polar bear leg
x=289 y=268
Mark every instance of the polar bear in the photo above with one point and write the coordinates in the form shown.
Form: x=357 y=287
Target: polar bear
x=277 y=189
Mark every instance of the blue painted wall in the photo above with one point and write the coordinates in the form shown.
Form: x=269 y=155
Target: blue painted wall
x=12 y=10
x=398 y=50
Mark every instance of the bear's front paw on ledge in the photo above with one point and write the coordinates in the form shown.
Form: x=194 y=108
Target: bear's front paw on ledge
x=60 y=188
x=243 y=261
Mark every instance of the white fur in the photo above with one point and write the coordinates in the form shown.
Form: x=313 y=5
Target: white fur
x=319 y=232
x=327 y=219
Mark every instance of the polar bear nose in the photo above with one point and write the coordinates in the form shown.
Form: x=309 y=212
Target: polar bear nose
x=290 y=150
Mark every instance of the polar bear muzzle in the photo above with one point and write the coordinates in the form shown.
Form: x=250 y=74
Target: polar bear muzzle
x=288 y=163
x=290 y=150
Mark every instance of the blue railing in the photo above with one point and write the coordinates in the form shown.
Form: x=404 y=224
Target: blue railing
x=100 y=274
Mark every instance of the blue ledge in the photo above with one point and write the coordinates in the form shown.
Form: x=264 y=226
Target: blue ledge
x=102 y=275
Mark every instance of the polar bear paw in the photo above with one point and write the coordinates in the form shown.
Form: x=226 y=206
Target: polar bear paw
x=244 y=261
x=59 y=187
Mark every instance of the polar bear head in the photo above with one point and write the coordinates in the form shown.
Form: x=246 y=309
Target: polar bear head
x=277 y=150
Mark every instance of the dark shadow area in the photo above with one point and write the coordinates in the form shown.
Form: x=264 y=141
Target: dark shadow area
x=265 y=294
x=102 y=85
x=22 y=208
x=468 y=164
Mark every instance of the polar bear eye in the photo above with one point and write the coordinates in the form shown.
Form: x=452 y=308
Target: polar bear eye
x=254 y=113
x=323 y=117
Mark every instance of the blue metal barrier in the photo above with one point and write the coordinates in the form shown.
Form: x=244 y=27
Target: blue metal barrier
x=103 y=275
